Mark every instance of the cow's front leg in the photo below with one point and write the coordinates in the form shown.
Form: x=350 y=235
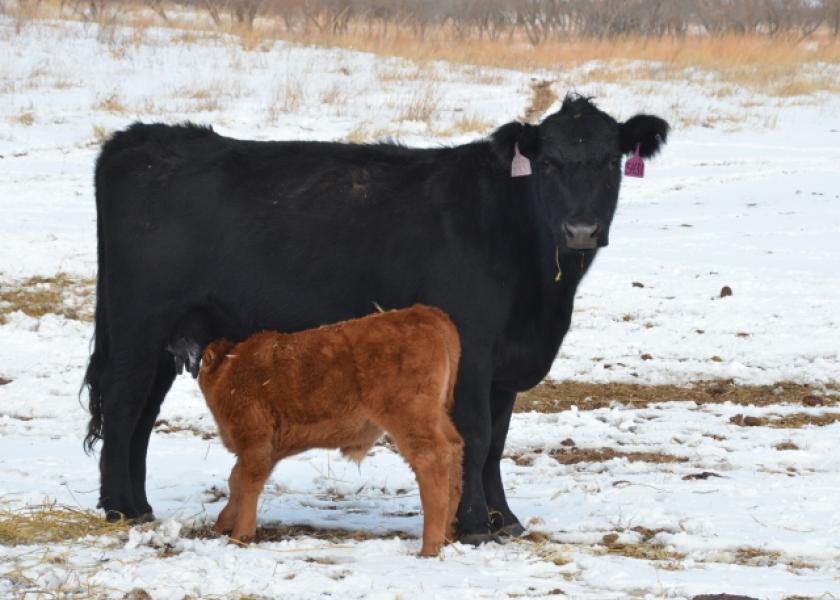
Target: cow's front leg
x=502 y=519
x=471 y=415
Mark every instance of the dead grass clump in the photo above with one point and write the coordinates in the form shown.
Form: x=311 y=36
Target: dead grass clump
x=60 y=294
x=50 y=522
x=792 y=421
x=365 y=133
x=287 y=97
x=111 y=104
x=468 y=123
x=277 y=532
x=786 y=446
x=573 y=456
x=756 y=557
x=422 y=106
x=542 y=97
x=644 y=550
x=25 y=118
x=557 y=396
x=164 y=426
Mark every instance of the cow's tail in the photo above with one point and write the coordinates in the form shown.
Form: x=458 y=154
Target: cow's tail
x=99 y=353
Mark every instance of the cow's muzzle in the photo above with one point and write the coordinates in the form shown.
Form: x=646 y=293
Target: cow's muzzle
x=582 y=236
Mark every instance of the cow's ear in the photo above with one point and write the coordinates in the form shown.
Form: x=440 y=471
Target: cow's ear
x=646 y=131
x=506 y=137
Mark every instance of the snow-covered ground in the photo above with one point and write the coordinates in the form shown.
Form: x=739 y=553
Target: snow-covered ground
x=746 y=195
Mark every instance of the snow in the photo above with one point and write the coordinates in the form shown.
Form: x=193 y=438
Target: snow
x=751 y=201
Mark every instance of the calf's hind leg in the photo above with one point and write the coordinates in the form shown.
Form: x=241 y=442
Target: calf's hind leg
x=253 y=468
x=456 y=473
x=228 y=515
x=429 y=455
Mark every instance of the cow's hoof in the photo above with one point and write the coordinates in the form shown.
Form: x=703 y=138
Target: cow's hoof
x=476 y=539
x=146 y=517
x=514 y=530
x=114 y=516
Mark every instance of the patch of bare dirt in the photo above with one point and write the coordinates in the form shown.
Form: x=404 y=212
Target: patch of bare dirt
x=573 y=456
x=558 y=396
x=792 y=421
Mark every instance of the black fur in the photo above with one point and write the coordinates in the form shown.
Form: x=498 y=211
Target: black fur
x=291 y=235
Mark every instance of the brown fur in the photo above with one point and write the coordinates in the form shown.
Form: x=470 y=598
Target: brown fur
x=340 y=386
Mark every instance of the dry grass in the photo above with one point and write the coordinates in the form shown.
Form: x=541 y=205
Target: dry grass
x=365 y=133
x=275 y=532
x=61 y=294
x=792 y=421
x=164 y=426
x=781 y=66
x=422 y=105
x=574 y=455
x=466 y=124
x=111 y=104
x=288 y=97
x=50 y=522
x=542 y=97
x=550 y=396
x=25 y=118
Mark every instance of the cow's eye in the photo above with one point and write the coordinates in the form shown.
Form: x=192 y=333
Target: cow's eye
x=550 y=165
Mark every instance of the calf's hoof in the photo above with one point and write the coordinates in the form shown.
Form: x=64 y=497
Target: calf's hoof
x=514 y=530
x=241 y=539
x=430 y=551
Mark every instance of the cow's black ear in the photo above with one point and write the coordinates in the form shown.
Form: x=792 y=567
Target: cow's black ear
x=507 y=136
x=649 y=132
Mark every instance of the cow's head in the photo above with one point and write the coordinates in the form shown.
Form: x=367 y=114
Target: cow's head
x=575 y=157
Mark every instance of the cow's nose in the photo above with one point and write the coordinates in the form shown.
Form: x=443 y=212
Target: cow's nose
x=581 y=236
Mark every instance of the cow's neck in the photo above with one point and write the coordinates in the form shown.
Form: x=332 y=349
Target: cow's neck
x=542 y=301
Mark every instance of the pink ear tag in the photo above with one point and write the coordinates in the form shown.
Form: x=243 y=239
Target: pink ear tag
x=635 y=165
x=520 y=166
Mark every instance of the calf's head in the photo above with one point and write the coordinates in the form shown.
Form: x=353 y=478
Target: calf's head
x=575 y=156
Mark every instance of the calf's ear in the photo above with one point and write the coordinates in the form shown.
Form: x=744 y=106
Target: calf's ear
x=506 y=137
x=646 y=131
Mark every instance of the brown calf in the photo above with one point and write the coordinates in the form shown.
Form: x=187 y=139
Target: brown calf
x=340 y=386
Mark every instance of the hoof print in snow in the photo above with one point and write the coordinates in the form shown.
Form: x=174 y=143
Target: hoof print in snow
x=725 y=291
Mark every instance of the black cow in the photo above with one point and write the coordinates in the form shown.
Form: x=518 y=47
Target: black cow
x=291 y=235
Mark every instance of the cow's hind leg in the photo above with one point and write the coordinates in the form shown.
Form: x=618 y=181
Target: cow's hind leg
x=126 y=383
x=502 y=519
x=140 y=441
